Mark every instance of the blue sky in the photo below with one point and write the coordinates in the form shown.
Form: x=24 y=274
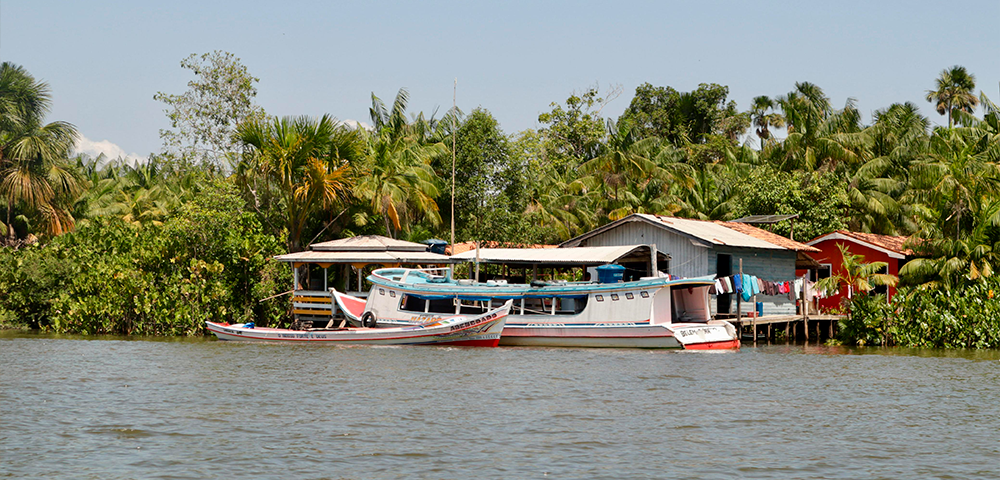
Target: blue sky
x=105 y=60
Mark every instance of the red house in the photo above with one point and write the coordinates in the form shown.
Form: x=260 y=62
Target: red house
x=874 y=248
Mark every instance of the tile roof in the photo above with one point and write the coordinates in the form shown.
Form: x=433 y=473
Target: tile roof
x=467 y=246
x=888 y=242
x=768 y=237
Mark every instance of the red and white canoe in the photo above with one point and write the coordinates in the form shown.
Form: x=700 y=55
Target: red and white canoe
x=456 y=330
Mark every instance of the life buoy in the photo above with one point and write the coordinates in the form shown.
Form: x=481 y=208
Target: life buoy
x=368 y=320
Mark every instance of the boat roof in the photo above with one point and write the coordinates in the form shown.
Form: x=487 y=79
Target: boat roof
x=368 y=243
x=575 y=256
x=366 y=257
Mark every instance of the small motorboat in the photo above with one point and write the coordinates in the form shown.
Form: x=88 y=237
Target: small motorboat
x=479 y=330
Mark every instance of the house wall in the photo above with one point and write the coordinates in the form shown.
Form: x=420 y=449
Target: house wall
x=686 y=259
x=772 y=265
x=830 y=253
x=690 y=260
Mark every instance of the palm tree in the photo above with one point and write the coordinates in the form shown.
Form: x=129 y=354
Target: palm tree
x=35 y=177
x=762 y=120
x=818 y=136
x=395 y=177
x=952 y=179
x=857 y=275
x=953 y=91
x=306 y=160
x=624 y=162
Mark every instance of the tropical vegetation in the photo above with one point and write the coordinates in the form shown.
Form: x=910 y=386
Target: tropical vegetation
x=77 y=228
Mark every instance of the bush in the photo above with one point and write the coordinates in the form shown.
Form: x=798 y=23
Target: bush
x=964 y=317
x=210 y=262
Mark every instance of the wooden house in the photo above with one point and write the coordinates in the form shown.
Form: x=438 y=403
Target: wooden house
x=697 y=248
x=874 y=248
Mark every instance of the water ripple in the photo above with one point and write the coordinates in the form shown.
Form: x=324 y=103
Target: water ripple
x=194 y=409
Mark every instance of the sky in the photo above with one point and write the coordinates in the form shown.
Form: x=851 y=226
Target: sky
x=105 y=60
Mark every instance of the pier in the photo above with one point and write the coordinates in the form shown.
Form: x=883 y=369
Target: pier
x=779 y=328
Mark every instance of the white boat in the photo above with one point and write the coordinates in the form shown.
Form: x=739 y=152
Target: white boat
x=481 y=329
x=648 y=313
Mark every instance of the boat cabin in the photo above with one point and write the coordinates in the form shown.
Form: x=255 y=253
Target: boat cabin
x=345 y=264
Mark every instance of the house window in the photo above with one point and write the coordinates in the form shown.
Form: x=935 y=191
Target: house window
x=882 y=289
x=823 y=272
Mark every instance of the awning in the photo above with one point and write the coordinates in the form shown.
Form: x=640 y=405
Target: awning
x=380 y=258
x=574 y=256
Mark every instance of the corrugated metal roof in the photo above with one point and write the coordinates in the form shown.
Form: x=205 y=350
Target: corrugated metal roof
x=364 y=257
x=567 y=256
x=368 y=243
x=713 y=233
x=705 y=232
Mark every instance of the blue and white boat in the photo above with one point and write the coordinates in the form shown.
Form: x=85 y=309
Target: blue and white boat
x=647 y=313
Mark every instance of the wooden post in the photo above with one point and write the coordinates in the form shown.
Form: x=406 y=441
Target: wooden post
x=652 y=262
x=753 y=320
x=739 y=312
x=805 y=308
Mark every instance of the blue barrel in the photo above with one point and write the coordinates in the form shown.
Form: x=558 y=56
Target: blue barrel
x=760 y=309
x=610 y=273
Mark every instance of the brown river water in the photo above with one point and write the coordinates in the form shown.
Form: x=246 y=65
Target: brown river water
x=106 y=408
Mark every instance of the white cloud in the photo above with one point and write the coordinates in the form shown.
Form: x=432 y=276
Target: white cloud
x=355 y=124
x=110 y=150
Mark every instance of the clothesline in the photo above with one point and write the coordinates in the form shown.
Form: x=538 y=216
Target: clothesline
x=749 y=285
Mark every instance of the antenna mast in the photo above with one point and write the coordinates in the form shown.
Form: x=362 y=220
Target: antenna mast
x=454 y=135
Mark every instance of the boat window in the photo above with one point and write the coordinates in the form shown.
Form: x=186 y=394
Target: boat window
x=444 y=305
x=392 y=293
x=614 y=297
x=554 y=305
x=644 y=294
x=629 y=295
x=599 y=298
x=411 y=303
x=381 y=291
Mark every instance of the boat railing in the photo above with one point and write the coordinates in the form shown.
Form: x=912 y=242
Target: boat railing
x=428 y=275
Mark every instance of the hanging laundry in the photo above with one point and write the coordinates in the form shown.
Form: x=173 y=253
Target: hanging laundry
x=738 y=283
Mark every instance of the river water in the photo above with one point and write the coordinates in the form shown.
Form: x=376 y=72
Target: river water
x=72 y=407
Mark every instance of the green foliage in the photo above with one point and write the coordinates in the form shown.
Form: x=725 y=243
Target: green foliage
x=814 y=196
x=682 y=117
x=204 y=118
x=574 y=133
x=964 y=317
x=491 y=183
x=111 y=276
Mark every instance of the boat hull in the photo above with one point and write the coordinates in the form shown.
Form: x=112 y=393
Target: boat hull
x=458 y=330
x=710 y=336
